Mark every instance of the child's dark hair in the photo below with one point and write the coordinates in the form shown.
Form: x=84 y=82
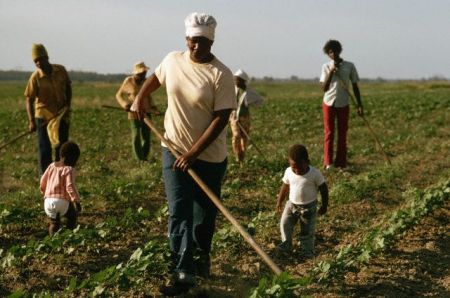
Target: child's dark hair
x=332 y=45
x=70 y=152
x=298 y=153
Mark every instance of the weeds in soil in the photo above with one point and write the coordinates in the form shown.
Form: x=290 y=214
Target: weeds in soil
x=120 y=247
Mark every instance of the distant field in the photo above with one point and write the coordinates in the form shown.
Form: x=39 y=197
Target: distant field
x=120 y=248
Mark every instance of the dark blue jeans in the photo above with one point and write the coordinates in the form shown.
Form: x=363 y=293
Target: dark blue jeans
x=44 y=145
x=192 y=215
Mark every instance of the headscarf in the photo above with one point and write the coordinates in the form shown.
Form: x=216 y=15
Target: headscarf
x=200 y=24
x=242 y=74
x=38 y=50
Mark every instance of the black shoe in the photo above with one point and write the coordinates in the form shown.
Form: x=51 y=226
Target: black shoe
x=175 y=289
x=174 y=259
x=180 y=283
x=203 y=266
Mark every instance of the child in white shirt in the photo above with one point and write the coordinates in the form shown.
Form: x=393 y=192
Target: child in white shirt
x=302 y=182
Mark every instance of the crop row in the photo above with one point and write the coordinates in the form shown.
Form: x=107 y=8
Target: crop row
x=353 y=256
x=349 y=258
x=67 y=241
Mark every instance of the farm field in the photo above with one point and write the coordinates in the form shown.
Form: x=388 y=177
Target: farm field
x=385 y=233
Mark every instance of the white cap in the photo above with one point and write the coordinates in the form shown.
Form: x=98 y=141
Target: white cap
x=240 y=73
x=200 y=24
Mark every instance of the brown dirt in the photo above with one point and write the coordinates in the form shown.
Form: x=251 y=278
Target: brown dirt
x=418 y=265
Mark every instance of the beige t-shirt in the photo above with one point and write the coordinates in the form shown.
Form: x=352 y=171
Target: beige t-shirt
x=336 y=95
x=194 y=92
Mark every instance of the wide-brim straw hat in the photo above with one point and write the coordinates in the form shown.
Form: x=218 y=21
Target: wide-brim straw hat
x=140 y=67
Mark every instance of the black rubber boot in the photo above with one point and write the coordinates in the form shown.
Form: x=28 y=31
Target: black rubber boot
x=203 y=266
x=175 y=289
x=180 y=284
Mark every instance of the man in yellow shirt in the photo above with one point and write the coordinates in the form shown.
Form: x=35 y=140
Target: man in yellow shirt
x=140 y=133
x=48 y=96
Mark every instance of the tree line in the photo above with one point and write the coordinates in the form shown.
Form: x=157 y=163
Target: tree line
x=89 y=76
x=77 y=76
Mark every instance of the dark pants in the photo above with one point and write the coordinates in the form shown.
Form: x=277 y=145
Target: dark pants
x=192 y=214
x=330 y=114
x=44 y=145
x=140 y=139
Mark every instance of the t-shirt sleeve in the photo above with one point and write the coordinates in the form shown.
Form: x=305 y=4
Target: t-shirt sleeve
x=225 y=97
x=160 y=71
x=285 y=178
x=354 y=74
x=324 y=73
x=319 y=178
x=31 y=89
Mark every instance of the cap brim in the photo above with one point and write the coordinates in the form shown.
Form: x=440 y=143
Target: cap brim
x=141 y=70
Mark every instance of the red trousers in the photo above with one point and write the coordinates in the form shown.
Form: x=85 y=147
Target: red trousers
x=329 y=116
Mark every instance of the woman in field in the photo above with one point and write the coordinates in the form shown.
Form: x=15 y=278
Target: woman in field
x=201 y=97
x=240 y=119
x=335 y=78
x=140 y=133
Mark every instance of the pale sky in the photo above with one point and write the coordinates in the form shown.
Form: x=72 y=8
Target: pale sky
x=384 y=38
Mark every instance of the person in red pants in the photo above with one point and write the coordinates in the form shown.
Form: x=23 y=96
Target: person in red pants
x=335 y=78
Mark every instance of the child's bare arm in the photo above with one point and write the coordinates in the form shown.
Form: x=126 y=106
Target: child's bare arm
x=284 y=190
x=323 y=188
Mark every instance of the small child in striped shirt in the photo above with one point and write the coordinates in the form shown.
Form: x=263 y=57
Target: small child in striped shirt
x=59 y=189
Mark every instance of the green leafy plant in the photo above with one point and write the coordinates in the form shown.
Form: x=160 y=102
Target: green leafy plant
x=283 y=286
x=153 y=255
x=351 y=257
